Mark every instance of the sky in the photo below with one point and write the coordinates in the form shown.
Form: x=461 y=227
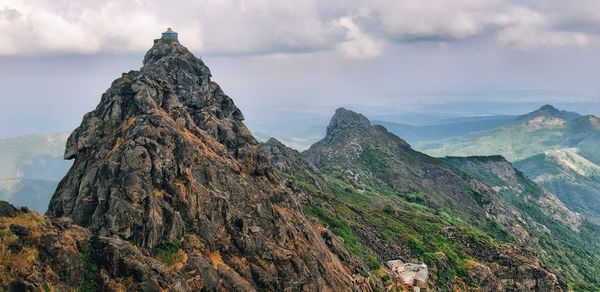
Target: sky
x=299 y=60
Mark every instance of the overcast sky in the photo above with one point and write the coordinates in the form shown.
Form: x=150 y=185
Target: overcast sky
x=305 y=57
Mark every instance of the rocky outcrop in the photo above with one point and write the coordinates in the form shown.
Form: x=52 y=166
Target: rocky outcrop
x=512 y=269
x=283 y=157
x=165 y=163
x=347 y=134
x=38 y=253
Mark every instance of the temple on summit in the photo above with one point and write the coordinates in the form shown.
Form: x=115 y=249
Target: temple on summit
x=169 y=34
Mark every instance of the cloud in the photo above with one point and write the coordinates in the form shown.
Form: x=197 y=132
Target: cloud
x=358 y=45
x=360 y=29
x=40 y=27
x=528 y=38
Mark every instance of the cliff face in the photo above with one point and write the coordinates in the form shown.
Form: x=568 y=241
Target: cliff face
x=165 y=161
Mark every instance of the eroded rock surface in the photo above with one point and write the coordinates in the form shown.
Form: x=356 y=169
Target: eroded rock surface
x=37 y=253
x=165 y=158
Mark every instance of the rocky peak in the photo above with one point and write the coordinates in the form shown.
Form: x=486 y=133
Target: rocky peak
x=344 y=121
x=165 y=155
x=349 y=134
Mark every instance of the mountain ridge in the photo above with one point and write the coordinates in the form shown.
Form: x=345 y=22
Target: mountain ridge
x=549 y=111
x=527 y=141
x=384 y=168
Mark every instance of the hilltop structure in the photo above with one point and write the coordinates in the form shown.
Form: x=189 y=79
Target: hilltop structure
x=169 y=34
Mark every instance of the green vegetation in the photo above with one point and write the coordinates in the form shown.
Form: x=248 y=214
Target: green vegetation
x=418 y=226
x=573 y=255
x=373 y=262
x=443 y=212
x=168 y=253
x=430 y=233
x=91 y=274
x=338 y=226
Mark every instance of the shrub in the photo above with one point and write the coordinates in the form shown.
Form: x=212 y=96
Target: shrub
x=388 y=209
x=167 y=253
x=91 y=272
x=372 y=262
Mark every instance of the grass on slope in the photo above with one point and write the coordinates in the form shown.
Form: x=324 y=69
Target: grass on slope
x=400 y=220
x=574 y=256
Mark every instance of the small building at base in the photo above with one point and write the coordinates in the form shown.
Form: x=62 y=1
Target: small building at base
x=413 y=276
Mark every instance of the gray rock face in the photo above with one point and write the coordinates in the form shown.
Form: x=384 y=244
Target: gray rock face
x=166 y=153
x=283 y=157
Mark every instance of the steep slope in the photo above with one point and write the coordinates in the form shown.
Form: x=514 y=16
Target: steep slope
x=30 y=169
x=514 y=186
x=568 y=240
x=390 y=202
x=351 y=138
x=549 y=146
x=574 y=179
x=376 y=157
x=165 y=170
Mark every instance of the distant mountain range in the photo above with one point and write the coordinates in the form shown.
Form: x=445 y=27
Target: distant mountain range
x=30 y=168
x=556 y=148
x=573 y=178
x=446 y=129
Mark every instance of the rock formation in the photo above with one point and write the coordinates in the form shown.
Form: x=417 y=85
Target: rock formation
x=165 y=161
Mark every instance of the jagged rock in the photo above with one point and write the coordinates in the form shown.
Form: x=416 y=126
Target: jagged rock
x=165 y=153
x=513 y=269
x=283 y=157
x=351 y=128
x=286 y=159
x=121 y=260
